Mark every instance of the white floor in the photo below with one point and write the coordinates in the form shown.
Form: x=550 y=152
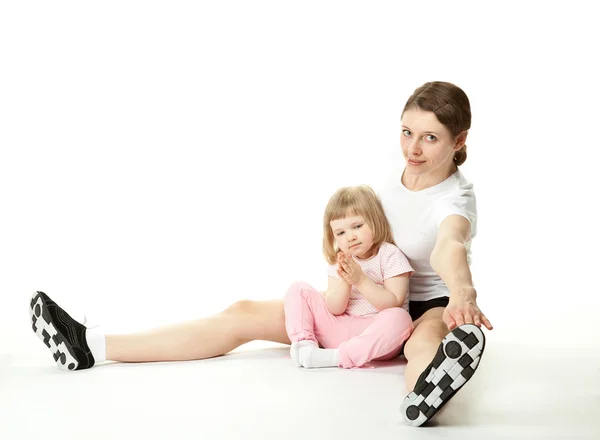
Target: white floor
x=519 y=391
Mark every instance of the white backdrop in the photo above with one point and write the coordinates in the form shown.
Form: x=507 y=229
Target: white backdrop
x=162 y=160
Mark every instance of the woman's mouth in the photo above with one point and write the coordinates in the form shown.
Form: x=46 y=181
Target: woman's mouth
x=415 y=163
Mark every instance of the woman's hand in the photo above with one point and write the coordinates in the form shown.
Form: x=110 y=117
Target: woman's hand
x=463 y=309
x=349 y=270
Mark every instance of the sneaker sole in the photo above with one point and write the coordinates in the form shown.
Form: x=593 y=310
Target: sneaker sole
x=453 y=365
x=41 y=323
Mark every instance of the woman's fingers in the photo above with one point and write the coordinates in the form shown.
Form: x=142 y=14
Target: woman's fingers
x=480 y=318
x=468 y=317
x=449 y=322
x=486 y=322
x=458 y=314
x=458 y=318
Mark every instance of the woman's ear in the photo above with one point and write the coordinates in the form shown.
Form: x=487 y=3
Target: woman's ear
x=461 y=139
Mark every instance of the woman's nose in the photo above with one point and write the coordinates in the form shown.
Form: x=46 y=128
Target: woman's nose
x=414 y=148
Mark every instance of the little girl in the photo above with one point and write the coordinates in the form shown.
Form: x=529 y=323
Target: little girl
x=363 y=315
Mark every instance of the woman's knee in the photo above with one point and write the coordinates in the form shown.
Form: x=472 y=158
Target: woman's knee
x=427 y=334
x=250 y=320
x=241 y=307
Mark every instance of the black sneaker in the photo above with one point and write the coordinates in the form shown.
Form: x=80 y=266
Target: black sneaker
x=455 y=362
x=64 y=336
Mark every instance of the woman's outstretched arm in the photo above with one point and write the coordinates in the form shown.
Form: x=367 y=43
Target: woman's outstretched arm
x=449 y=260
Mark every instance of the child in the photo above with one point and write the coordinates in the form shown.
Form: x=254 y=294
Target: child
x=364 y=313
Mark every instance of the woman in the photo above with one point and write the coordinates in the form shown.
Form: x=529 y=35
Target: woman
x=431 y=208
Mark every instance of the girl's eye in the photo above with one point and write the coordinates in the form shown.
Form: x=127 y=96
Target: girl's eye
x=358 y=226
x=340 y=233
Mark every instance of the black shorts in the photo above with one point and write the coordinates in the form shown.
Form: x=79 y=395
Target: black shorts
x=417 y=308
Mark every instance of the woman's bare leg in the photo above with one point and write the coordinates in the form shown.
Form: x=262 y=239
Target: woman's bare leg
x=242 y=322
x=447 y=359
x=423 y=344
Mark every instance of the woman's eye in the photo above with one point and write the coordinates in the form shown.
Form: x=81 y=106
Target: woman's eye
x=406 y=132
x=431 y=138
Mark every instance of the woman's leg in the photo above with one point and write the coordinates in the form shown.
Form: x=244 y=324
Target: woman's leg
x=421 y=347
x=384 y=335
x=439 y=364
x=242 y=322
x=74 y=347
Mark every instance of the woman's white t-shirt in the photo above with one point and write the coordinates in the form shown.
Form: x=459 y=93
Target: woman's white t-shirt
x=415 y=217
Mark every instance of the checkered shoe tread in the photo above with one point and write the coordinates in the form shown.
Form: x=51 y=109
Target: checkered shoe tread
x=454 y=364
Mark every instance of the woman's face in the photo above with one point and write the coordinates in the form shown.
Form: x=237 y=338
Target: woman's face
x=427 y=145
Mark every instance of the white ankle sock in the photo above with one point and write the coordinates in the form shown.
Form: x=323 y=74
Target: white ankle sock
x=295 y=350
x=311 y=356
x=96 y=340
x=294 y=353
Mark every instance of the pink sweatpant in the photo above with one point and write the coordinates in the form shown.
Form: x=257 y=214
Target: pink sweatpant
x=359 y=339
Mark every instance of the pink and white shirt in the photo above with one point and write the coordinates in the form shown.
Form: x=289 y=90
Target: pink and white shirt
x=387 y=263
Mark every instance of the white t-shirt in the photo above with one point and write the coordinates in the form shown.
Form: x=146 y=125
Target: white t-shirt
x=415 y=217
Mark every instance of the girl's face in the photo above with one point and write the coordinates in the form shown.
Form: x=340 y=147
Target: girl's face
x=427 y=145
x=353 y=236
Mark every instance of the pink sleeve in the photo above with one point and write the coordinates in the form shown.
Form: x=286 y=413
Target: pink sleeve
x=394 y=262
x=332 y=271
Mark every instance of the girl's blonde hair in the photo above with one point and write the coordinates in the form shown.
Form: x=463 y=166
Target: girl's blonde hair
x=355 y=200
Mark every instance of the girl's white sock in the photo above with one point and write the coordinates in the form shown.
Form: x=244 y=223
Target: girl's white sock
x=311 y=356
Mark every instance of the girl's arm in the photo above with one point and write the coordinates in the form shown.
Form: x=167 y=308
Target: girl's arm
x=337 y=295
x=449 y=261
x=392 y=294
